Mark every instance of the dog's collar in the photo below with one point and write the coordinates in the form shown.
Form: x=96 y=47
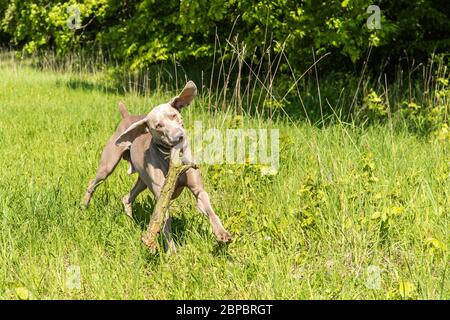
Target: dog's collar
x=165 y=150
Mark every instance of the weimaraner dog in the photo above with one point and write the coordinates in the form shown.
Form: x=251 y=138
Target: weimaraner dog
x=146 y=142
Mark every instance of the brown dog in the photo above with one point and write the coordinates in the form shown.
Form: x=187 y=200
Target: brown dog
x=146 y=142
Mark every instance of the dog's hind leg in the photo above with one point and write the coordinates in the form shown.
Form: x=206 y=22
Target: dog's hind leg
x=128 y=199
x=109 y=159
x=126 y=156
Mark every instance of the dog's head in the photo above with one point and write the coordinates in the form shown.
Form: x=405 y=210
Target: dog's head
x=164 y=122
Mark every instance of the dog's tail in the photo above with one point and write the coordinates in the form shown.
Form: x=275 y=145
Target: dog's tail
x=123 y=110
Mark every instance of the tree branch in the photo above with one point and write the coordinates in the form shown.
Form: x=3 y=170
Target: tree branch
x=176 y=169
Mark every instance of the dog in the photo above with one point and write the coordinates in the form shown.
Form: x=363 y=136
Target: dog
x=146 y=142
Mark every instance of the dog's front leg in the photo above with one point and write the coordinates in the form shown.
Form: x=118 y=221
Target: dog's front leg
x=128 y=199
x=169 y=244
x=195 y=185
x=204 y=206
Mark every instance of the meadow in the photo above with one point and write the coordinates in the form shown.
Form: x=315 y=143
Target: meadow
x=354 y=211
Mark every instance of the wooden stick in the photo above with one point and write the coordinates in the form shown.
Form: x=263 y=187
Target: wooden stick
x=176 y=169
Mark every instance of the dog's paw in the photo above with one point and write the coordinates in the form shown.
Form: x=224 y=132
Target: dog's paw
x=131 y=169
x=127 y=206
x=224 y=236
x=170 y=248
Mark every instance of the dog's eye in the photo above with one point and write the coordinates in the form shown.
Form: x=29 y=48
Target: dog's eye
x=173 y=116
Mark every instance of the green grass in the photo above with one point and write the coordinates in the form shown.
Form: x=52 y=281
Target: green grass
x=309 y=232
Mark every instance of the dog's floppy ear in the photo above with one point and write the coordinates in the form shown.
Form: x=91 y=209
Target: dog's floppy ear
x=133 y=131
x=185 y=97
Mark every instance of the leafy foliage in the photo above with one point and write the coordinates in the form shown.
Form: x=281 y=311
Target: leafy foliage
x=141 y=33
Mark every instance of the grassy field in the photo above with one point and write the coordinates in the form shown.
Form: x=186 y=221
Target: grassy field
x=351 y=214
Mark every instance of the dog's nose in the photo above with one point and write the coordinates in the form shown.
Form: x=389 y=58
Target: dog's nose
x=179 y=137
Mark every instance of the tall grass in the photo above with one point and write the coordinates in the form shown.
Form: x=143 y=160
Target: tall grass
x=346 y=197
x=265 y=85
